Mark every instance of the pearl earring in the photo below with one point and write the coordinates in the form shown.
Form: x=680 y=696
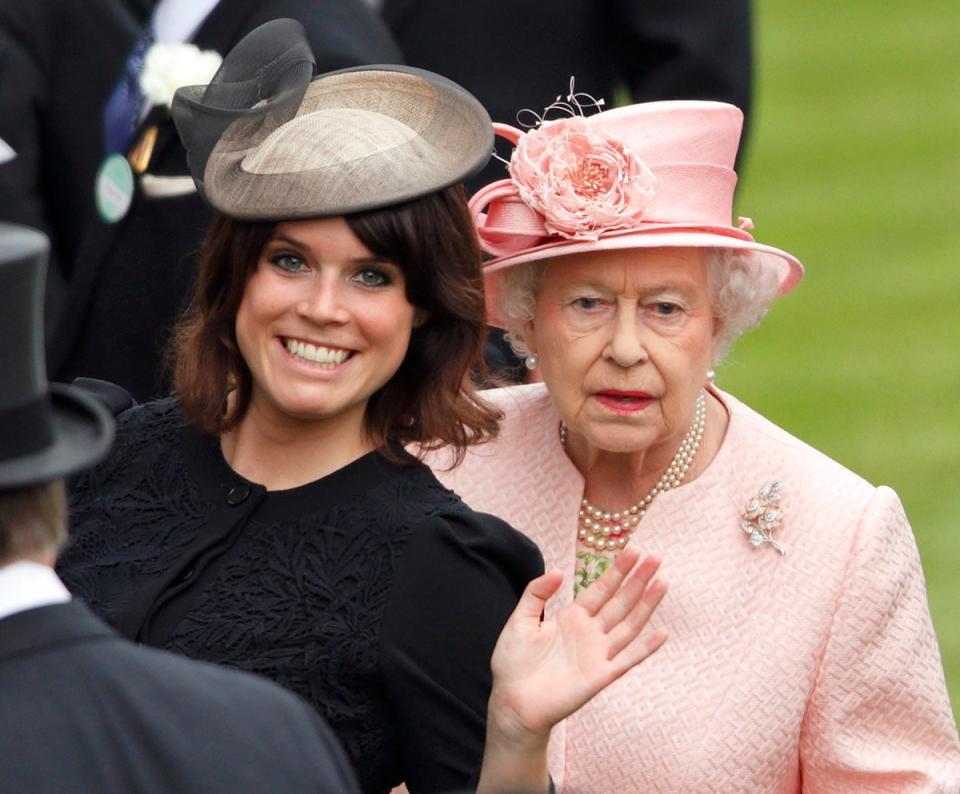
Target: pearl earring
x=711 y=376
x=531 y=361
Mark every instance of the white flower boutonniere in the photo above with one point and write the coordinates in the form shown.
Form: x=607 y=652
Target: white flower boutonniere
x=166 y=67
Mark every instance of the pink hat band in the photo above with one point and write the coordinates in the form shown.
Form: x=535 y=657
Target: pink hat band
x=685 y=194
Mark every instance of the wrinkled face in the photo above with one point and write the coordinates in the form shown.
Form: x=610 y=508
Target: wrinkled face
x=625 y=339
x=323 y=323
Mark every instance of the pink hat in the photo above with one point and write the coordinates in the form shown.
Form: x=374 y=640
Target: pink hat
x=652 y=175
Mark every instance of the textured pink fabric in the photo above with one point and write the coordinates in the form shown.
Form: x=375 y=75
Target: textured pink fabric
x=817 y=671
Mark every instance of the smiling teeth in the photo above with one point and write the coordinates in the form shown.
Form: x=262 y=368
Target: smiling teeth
x=325 y=357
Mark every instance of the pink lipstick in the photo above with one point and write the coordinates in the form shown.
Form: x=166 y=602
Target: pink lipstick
x=623 y=402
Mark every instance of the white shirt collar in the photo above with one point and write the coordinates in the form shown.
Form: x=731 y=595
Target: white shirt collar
x=176 y=21
x=26 y=585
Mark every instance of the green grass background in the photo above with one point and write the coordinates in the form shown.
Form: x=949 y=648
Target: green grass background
x=853 y=164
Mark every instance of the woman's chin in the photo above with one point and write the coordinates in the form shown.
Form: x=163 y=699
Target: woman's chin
x=618 y=439
x=302 y=407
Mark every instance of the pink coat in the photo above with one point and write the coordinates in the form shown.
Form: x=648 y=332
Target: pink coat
x=817 y=671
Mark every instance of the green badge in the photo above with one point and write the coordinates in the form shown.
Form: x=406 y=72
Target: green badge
x=114 y=188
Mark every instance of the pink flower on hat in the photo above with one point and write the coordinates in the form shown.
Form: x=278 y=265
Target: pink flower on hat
x=582 y=181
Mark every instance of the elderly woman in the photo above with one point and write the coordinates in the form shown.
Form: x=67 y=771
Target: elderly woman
x=802 y=656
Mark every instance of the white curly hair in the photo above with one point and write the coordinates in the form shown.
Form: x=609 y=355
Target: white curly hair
x=741 y=287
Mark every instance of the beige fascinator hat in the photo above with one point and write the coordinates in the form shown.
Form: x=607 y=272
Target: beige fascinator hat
x=650 y=175
x=266 y=140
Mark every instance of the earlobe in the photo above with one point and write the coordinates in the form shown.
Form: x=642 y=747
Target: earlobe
x=420 y=317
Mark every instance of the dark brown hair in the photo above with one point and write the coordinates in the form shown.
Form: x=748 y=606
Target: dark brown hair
x=33 y=520
x=431 y=399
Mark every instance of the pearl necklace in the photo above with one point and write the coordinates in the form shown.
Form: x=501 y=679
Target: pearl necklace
x=602 y=529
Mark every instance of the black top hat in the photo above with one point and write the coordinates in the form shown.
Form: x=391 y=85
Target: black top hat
x=47 y=431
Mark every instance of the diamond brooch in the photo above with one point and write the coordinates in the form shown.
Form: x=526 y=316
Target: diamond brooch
x=762 y=516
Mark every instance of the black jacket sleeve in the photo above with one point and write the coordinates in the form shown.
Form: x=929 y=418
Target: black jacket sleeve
x=458 y=581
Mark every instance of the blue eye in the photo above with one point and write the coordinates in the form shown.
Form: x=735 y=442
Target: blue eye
x=371 y=277
x=587 y=303
x=665 y=309
x=289 y=262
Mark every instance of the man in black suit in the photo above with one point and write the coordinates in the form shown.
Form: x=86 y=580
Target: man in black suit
x=80 y=708
x=132 y=277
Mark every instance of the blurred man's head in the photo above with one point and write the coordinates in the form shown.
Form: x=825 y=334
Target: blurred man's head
x=33 y=522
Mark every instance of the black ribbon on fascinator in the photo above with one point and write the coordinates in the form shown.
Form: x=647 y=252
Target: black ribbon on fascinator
x=257 y=88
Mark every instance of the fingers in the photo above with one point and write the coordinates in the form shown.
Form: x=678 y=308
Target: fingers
x=535 y=596
x=628 y=630
x=626 y=597
x=640 y=648
x=594 y=597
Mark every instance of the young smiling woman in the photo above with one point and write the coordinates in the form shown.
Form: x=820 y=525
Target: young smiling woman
x=268 y=516
x=323 y=324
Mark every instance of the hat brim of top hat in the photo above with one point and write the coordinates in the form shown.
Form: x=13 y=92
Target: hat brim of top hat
x=361 y=139
x=787 y=267
x=83 y=431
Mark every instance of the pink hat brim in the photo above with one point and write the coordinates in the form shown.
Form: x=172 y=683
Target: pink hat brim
x=788 y=268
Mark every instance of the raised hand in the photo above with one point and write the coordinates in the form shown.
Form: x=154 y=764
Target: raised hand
x=544 y=671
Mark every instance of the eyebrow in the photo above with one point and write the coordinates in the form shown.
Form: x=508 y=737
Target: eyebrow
x=683 y=286
x=282 y=238
x=373 y=259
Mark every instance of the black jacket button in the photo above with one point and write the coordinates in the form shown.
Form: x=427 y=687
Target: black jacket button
x=238 y=494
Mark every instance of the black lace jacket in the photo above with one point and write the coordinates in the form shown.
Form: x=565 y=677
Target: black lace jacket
x=374 y=593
